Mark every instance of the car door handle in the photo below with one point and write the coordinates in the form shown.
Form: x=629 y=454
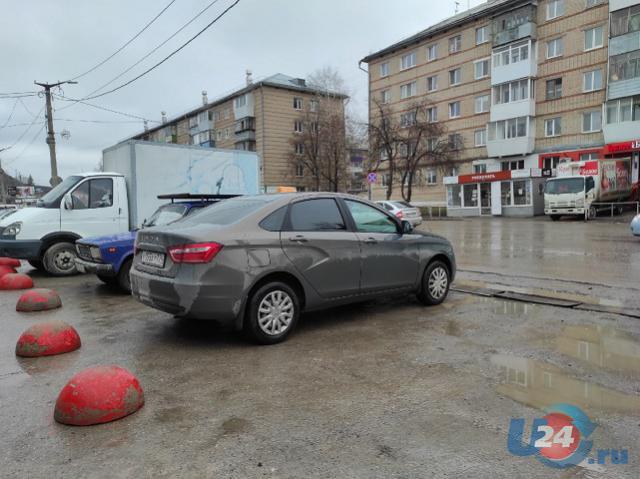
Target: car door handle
x=371 y=241
x=298 y=239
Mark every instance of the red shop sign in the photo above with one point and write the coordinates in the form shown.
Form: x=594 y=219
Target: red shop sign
x=622 y=147
x=485 y=177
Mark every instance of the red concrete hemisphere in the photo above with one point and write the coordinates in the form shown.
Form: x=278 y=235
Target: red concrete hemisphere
x=12 y=262
x=98 y=395
x=6 y=270
x=14 y=281
x=47 y=339
x=39 y=299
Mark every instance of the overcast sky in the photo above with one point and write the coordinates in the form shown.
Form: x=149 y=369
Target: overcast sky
x=51 y=41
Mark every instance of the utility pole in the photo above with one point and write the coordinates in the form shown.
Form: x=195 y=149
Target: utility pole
x=51 y=139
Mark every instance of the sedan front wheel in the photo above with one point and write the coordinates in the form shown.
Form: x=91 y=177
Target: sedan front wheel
x=435 y=284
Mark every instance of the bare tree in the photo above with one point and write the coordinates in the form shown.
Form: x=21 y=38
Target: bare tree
x=401 y=144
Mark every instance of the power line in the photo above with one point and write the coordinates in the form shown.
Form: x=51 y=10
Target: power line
x=15 y=104
x=126 y=44
x=209 y=25
x=33 y=122
x=93 y=105
x=17 y=157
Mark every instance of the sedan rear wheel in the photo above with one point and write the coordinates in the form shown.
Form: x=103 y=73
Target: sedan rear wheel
x=435 y=284
x=272 y=313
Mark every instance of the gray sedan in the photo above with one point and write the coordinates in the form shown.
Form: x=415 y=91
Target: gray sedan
x=256 y=262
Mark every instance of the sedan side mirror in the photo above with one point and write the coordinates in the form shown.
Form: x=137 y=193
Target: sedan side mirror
x=407 y=228
x=68 y=202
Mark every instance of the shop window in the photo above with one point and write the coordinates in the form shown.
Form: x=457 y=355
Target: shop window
x=522 y=192
x=470 y=196
x=505 y=193
x=453 y=196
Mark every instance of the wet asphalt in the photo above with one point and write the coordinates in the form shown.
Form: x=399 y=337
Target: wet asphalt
x=386 y=389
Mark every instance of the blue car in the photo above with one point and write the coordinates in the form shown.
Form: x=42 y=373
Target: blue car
x=110 y=257
x=635 y=226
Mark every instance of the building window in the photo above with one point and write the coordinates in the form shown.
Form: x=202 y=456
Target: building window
x=408 y=90
x=553 y=127
x=589 y=156
x=592 y=3
x=507 y=129
x=555 y=48
x=431 y=144
x=481 y=68
x=591 y=121
x=432 y=83
x=299 y=169
x=481 y=168
x=455 y=141
x=455 y=44
x=240 y=101
x=593 y=38
x=298 y=126
x=511 y=92
x=625 y=109
x=299 y=149
x=551 y=162
x=432 y=52
x=625 y=66
x=482 y=35
x=297 y=103
x=431 y=176
x=522 y=193
x=432 y=114
x=554 y=89
x=511 y=54
x=384 y=69
x=592 y=81
x=226 y=133
x=512 y=165
x=455 y=77
x=408 y=119
x=555 y=9
x=385 y=96
x=454 y=109
x=482 y=104
x=625 y=21
x=227 y=113
x=480 y=138
x=313 y=105
x=408 y=61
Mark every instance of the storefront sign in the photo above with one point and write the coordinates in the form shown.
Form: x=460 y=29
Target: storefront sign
x=485 y=177
x=622 y=147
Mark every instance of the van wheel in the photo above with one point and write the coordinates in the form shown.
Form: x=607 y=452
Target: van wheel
x=272 y=313
x=37 y=264
x=435 y=284
x=593 y=212
x=59 y=259
x=123 y=276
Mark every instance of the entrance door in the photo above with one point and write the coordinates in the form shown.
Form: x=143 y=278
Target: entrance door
x=485 y=198
x=496 y=200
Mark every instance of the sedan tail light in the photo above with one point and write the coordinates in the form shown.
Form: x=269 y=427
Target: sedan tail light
x=194 y=253
x=400 y=214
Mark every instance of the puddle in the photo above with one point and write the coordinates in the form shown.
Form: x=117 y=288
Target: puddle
x=509 y=308
x=601 y=346
x=539 y=384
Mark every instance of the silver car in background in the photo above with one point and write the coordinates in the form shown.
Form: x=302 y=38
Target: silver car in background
x=635 y=226
x=256 y=262
x=403 y=211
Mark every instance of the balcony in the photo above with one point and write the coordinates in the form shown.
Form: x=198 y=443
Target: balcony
x=514 y=109
x=526 y=30
x=619 y=4
x=515 y=136
x=624 y=43
x=246 y=135
x=513 y=62
x=513 y=100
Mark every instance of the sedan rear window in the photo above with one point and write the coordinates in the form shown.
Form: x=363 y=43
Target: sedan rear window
x=316 y=215
x=228 y=211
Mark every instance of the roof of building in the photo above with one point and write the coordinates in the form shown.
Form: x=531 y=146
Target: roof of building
x=482 y=10
x=278 y=80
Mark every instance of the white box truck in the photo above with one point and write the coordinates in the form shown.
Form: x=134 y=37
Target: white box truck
x=580 y=185
x=120 y=198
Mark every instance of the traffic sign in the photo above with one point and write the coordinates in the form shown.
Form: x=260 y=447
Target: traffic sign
x=372 y=177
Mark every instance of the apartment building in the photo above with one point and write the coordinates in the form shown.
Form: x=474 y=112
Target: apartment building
x=264 y=117
x=528 y=85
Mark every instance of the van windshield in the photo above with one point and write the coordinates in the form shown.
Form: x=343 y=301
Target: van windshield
x=564 y=185
x=53 y=198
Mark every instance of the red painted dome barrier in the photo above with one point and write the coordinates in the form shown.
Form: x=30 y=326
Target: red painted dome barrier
x=98 y=395
x=6 y=270
x=14 y=281
x=39 y=299
x=47 y=339
x=11 y=262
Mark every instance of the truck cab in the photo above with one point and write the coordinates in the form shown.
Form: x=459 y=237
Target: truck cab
x=569 y=195
x=87 y=204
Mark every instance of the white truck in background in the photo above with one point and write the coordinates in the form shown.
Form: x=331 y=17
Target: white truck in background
x=580 y=185
x=121 y=198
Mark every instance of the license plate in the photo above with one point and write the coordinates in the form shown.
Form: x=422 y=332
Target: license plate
x=153 y=259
